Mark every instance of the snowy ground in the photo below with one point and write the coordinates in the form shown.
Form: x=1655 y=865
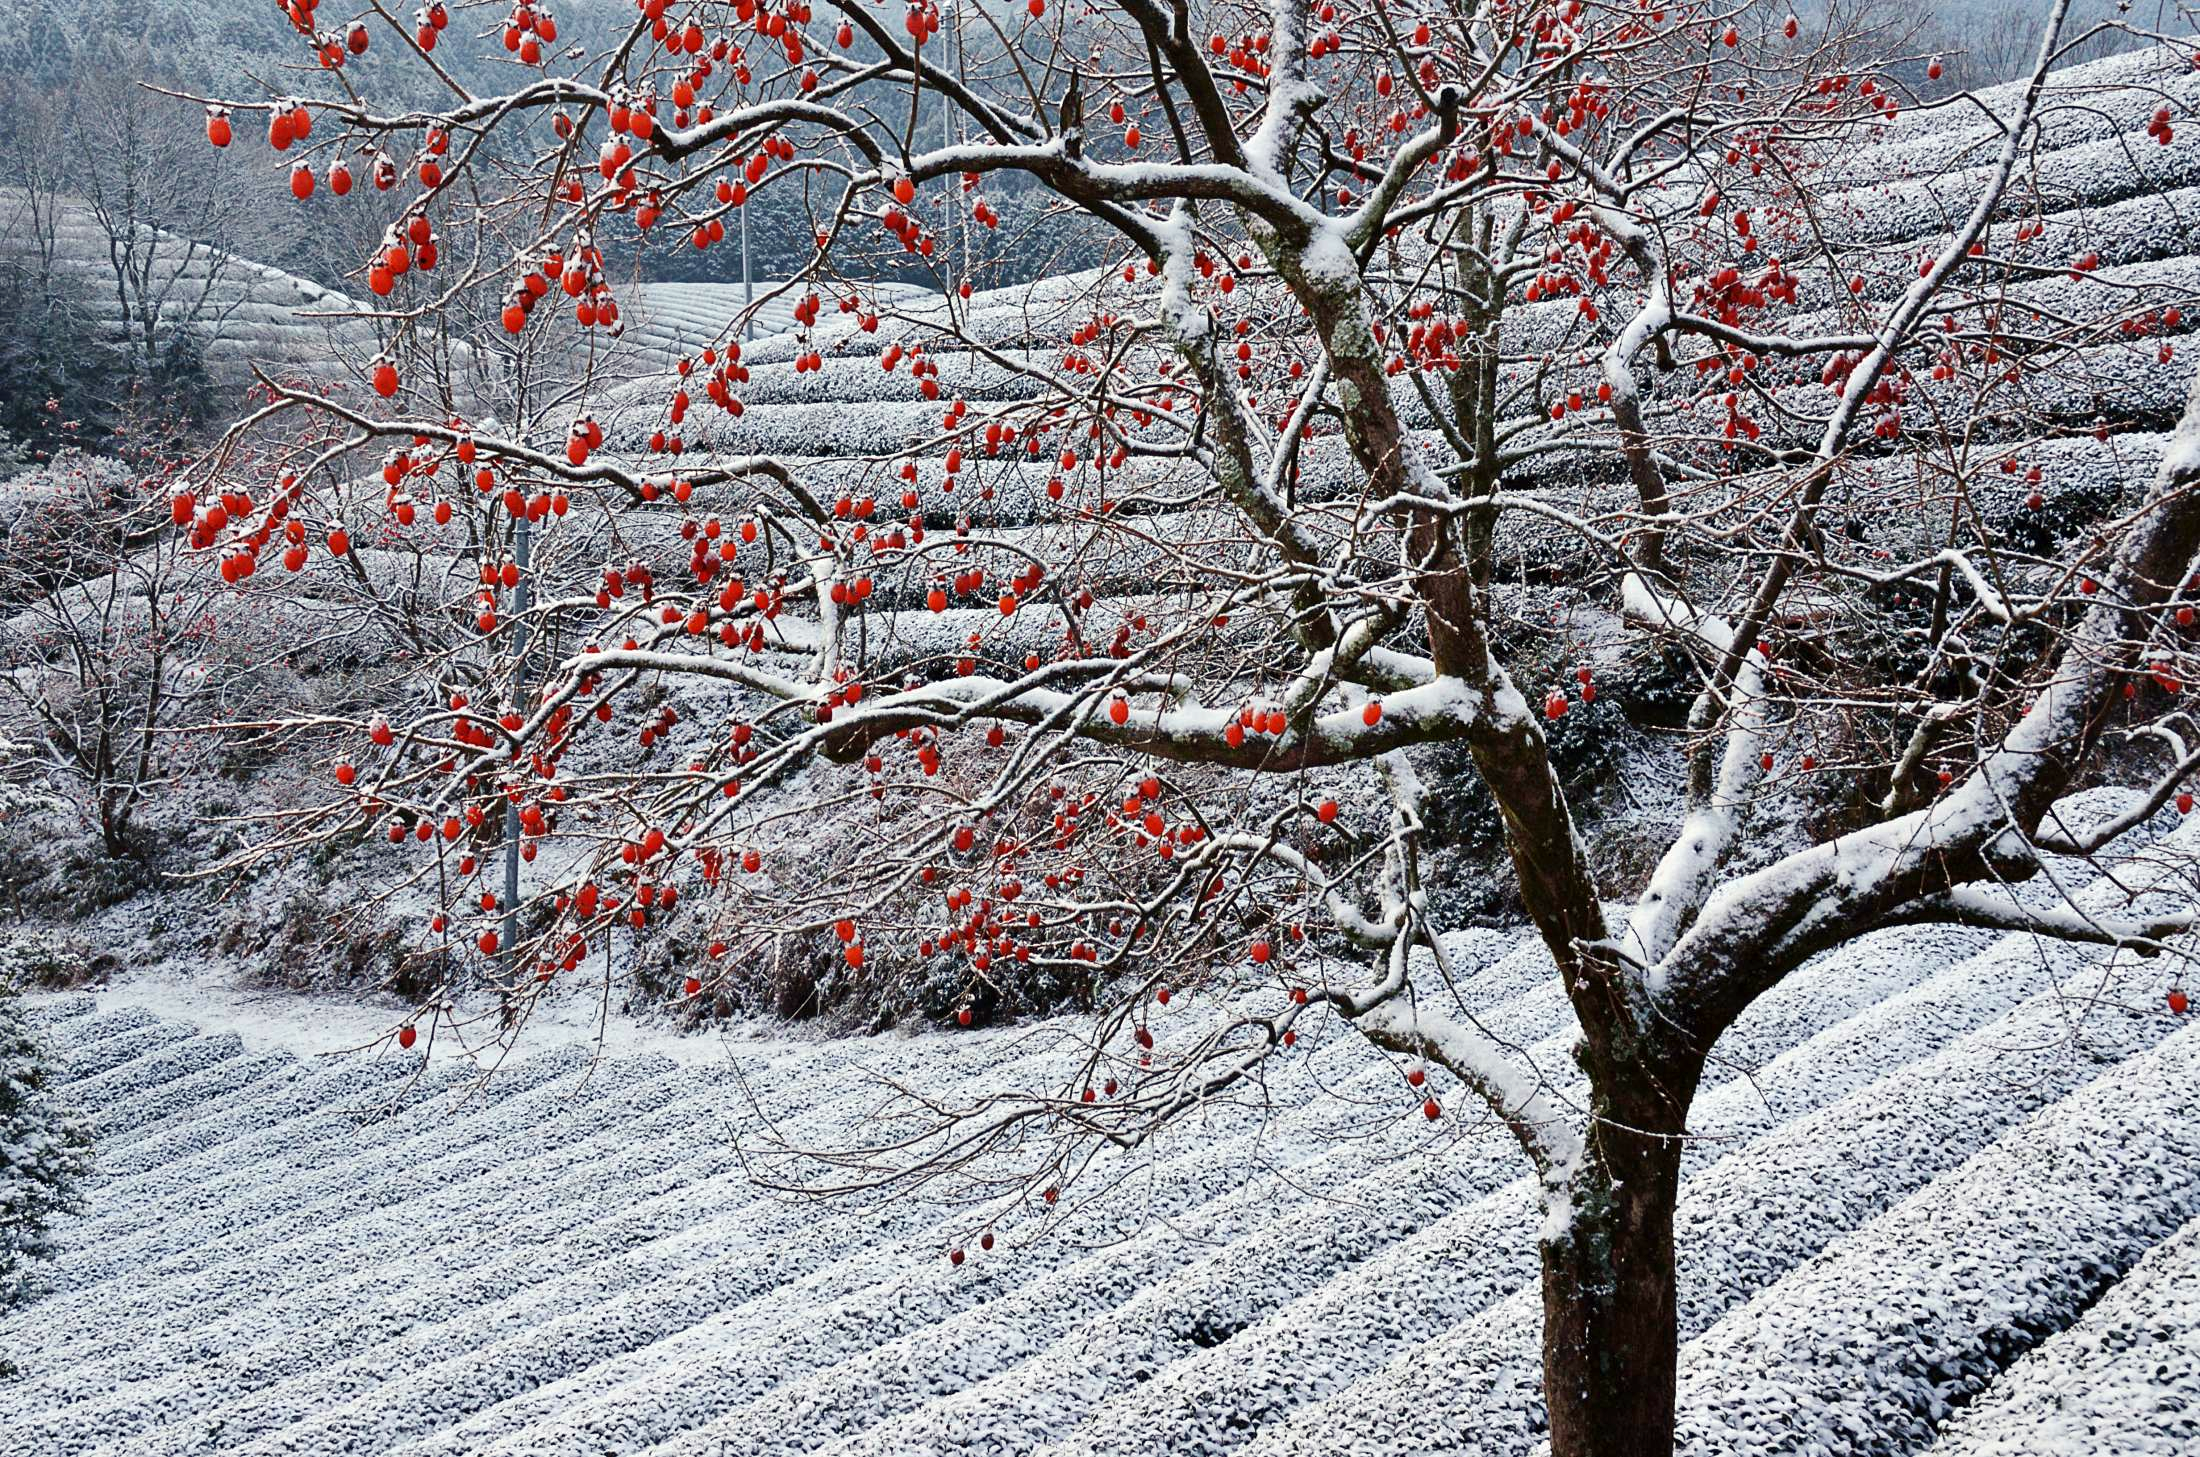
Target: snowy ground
x=1930 y=1162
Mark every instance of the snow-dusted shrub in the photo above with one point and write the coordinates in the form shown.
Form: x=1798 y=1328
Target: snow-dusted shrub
x=45 y=511
x=43 y=957
x=44 y=1154
x=23 y=797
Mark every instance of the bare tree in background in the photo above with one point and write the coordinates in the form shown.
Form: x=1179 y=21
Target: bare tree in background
x=160 y=209
x=111 y=648
x=55 y=380
x=87 y=162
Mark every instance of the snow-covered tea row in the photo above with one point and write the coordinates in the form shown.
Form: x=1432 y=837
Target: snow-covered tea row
x=2124 y=1379
x=1415 y=1279
x=1786 y=1191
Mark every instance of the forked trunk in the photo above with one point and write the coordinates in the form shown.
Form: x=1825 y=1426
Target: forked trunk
x=1610 y=1327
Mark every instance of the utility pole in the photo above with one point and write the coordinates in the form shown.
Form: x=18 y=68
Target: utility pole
x=521 y=600
x=748 y=286
x=953 y=33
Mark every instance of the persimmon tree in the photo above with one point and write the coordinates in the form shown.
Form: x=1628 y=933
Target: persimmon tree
x=1214 y=573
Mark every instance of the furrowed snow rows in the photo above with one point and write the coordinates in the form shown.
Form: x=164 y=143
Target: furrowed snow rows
x=811 y=1316
x=374 y=1255
x=1752 y=1216
x=2124 y=1379
x=1958 y=1281
x=632 y=1132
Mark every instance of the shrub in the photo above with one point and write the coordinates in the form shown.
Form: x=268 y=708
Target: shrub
x=44 y=1154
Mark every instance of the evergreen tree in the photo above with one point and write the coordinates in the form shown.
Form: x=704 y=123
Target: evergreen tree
x=44 y=1154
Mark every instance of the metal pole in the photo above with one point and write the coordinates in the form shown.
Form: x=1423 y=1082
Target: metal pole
x=521 y=600
x=953 y=33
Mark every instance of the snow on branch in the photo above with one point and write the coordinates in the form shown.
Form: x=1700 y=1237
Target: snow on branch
x=1689 y=868
x=1971 y=905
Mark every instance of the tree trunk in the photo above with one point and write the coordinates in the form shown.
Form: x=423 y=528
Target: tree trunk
x=114 y=825
x=1610 y=1329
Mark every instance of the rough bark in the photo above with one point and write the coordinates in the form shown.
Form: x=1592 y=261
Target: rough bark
x=1610 y=1328
x=1611 y=1339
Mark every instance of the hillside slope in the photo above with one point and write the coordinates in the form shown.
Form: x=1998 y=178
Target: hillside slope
x=241 y=313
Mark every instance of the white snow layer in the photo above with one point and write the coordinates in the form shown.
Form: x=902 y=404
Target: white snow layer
x=1922 y=1156
x=2124 y=1379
